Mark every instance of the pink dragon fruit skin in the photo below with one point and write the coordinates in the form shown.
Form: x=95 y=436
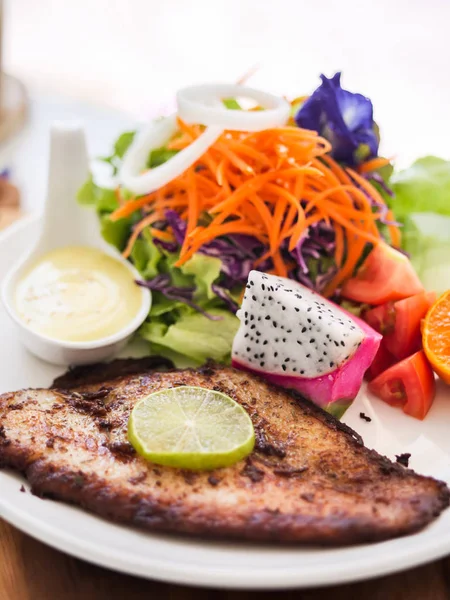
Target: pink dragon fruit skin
x=333 y=391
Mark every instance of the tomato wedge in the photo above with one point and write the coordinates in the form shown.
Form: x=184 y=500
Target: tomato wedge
x=386 y=275
x=409 y=384
x=382 y=361
x=399 y=323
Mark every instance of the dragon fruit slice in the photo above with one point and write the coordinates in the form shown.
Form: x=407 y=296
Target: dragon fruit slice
x=295 y=338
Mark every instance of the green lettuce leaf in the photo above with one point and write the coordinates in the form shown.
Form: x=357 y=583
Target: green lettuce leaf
x=195 y=336
x=146 y=257
x=179 y=360
x=423 y=187
x=426 y=238
x=205 y=271
x=179 y=279
x=164 y=306
x=116 y=232
x=104 y=199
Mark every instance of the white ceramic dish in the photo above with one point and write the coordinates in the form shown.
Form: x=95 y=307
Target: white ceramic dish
x=227 y=565
x=66 y=223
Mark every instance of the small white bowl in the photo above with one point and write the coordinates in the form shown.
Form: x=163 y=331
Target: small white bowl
x=66 y=223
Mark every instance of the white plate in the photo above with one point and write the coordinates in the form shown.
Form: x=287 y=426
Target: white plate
x=226 y=565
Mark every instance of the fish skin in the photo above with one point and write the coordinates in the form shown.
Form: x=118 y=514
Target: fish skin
x=309 y=480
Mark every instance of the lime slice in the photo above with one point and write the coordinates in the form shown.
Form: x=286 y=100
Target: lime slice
x=191 y=428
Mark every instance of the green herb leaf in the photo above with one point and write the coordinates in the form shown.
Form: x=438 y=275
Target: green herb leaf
x=231 y=104
x=159 y=156
x=123 y=143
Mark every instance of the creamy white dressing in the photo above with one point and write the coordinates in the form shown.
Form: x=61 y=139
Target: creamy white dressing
x=77 y=293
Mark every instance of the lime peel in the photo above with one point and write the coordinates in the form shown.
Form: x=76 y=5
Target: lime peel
x=191 y=427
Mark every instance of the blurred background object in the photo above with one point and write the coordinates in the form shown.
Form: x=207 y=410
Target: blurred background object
x=89 y=58
x=13 y=99
x=13 y=110
x=13 y=105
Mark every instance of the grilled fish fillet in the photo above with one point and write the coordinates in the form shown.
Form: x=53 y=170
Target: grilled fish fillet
x=309 y=480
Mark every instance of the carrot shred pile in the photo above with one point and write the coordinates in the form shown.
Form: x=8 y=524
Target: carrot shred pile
x=271 y=185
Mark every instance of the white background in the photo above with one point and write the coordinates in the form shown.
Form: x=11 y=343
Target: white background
x=133 y=54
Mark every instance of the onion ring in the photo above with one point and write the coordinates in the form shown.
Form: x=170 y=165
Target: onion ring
x=154 y=136
x=202 y=104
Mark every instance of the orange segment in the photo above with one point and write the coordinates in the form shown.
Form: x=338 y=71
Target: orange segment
x=436 y=336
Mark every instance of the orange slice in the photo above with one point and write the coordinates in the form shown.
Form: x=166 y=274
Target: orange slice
x=436 y=336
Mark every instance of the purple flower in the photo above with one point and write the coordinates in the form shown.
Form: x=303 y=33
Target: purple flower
x=343 y=118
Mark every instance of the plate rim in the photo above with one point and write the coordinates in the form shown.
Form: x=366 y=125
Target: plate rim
x=198 y=575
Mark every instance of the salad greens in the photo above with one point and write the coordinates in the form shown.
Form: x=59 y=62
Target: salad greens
x=193 y=313
x=426 y=238
x=187 y=319
x=423 y=187
x=193 y=334
x=421 y=201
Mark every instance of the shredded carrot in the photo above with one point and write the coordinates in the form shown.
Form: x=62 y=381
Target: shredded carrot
x=119 y=196
x=336 y=169
x=356 y=245
x=394 y=231
x=193 y=206
x=249 y=152
x=161 y=235
x=279 y=264
x=220 y=174
x=152 y=218
x=185 y=128
x=131 y=207
x=339 y=243
x=373 y=164
x=271 y=185
x=234 y=159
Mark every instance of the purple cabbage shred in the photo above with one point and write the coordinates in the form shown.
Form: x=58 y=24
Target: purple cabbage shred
x=162 y=283
x=223 y=294
x=238 y=253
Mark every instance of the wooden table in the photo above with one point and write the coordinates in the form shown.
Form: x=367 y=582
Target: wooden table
x=30 y=570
